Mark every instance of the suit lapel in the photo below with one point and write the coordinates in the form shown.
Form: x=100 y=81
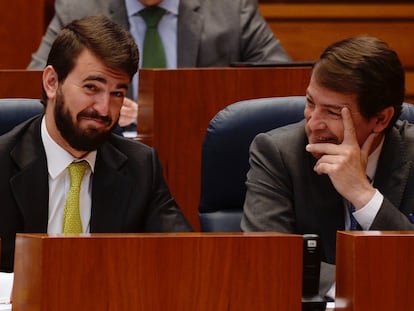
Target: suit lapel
x=392 y=172
x=188 y=33
x=30 y=183
x=111 y=191
x=111 y=185
x=118 y=13
x=326 y=210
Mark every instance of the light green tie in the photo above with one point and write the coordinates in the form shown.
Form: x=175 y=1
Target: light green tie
x=72 y=222
x=153 y=51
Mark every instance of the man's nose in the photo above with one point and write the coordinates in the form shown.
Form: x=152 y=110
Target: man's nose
x=316 y=119
x=102 y=102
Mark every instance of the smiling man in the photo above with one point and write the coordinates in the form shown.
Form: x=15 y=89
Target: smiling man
x=348 y=165
x=65 y=171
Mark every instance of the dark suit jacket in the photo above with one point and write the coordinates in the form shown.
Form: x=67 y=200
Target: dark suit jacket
x=129 y=193
x=210 y=33
x=285 y=194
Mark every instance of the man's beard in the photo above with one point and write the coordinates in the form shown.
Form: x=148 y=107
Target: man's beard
x=82 y=140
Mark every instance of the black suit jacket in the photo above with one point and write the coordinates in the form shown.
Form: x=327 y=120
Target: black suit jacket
x=129 y=193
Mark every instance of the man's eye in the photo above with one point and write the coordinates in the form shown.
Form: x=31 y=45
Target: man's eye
x=90 y=87
x=335 y=113
x=309 y=104
x=118 y=94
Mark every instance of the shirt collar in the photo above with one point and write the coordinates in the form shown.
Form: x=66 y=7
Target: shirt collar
x=134 y=6
x=58 y=158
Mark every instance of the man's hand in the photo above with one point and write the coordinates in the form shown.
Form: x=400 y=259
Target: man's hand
x=345 y=164
x=129 y=112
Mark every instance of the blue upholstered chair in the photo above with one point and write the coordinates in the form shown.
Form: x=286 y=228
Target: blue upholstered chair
x=16 y=110
x=225 y=154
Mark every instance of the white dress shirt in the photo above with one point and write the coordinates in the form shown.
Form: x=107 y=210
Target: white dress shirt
x=58 y=160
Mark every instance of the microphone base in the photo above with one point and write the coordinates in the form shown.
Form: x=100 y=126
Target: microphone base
x=313 y=303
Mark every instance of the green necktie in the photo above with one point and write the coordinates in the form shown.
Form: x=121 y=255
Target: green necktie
x=72 y=222
x=153 y=52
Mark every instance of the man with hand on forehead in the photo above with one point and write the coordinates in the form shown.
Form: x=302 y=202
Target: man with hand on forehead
x=348 y=164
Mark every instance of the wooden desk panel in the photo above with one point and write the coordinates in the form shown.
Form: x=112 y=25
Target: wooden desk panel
x=203 y=272
x=176 y=106
x=373 y=270
x=22 y=26
x=20 y=84
x=306 y=29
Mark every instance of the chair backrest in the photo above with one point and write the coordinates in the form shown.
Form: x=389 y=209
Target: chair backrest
x=225 y=154
x=407 y=112
x=16 y=110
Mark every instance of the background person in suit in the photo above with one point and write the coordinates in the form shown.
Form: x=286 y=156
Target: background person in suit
x=89 y=68
x=195 y=33
x=318 y=182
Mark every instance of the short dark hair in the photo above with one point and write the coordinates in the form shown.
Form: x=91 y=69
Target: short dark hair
x=107 y=40
x=367 y=67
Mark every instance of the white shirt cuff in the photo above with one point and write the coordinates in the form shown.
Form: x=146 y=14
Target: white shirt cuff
x=366 y=215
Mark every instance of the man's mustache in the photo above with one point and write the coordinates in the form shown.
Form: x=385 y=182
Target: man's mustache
x=95 y=115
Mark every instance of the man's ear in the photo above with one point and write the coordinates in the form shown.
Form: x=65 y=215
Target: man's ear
x=383 y=118
x=50 y=81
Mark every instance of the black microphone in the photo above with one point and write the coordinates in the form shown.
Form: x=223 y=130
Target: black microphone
x=311 y=300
